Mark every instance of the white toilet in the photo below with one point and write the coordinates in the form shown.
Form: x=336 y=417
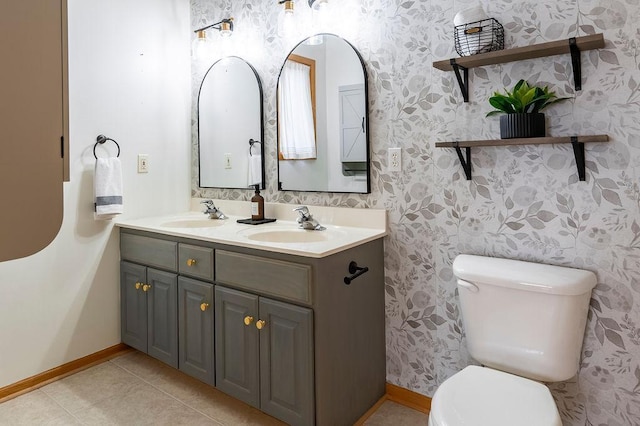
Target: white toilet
x=525 y=323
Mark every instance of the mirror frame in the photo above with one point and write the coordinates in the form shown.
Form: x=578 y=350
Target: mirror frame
x=262 y=150
x=366 y=100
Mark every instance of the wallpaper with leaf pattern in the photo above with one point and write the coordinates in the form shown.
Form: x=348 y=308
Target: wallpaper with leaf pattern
x=524 y=202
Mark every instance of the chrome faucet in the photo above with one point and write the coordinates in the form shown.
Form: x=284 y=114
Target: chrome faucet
x=213 y=211
x=307 y=221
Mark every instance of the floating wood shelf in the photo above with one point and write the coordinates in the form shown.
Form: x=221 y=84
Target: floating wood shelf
x=573 y=46
x=576 y=141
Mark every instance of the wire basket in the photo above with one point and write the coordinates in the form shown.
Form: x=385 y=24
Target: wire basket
x=479 y=37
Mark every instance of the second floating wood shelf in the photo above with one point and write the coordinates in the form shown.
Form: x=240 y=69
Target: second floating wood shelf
x=576 y=141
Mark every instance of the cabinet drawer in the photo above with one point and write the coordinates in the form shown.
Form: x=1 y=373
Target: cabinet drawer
x=149 y=251
x=271 y=277
x=195 y=261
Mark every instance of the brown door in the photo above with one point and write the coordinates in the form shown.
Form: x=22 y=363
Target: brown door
x=32 y=123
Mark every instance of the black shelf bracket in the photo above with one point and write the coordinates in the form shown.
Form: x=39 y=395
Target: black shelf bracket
x=575 y=62
x=466 y=162
x=463 y=80
x=578 y=152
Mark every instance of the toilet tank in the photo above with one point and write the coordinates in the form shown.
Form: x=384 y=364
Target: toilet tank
x=524 y=318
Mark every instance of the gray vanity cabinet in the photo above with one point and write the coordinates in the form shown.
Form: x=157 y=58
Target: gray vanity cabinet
x=148 y=299
x=281 y=332
x=195 y=318
x=264 y=354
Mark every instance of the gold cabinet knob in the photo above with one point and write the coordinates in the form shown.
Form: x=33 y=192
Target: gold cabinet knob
x=204 y=306
x=248 y=320
x=191 y=262
x=146 y=287
x=260 y=324
x=138 y=285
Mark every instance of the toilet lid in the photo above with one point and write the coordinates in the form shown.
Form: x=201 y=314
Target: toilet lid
x=479 y=396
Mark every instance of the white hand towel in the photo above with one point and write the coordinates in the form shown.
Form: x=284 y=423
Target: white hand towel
x=255 y=167
x=108 y=188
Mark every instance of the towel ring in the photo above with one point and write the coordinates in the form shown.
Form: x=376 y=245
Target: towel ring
x=251 y=143
x=102 y=139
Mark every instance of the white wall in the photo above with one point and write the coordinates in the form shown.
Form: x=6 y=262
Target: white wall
x=129 y=79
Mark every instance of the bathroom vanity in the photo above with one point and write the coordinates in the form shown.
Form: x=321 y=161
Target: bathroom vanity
x=261 y=312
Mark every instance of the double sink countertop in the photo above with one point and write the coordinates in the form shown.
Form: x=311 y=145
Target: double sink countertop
x=345 y=227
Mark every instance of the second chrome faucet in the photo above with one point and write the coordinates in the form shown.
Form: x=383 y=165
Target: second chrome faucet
x=307 y=221
x=212 y=210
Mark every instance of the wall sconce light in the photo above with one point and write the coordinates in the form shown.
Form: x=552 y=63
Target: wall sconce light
x=288 y=6
x=201 y=48
x=286 y=21
x=225 y=27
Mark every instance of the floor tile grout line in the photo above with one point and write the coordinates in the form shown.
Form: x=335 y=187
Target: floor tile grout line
x=168 y=394
x=94 y=403
x=61 y=406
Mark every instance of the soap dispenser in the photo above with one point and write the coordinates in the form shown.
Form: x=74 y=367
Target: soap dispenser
x=257 y=205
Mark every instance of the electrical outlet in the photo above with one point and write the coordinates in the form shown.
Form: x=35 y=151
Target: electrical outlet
x=395 y=159
x=143 y=163
x=227 y=160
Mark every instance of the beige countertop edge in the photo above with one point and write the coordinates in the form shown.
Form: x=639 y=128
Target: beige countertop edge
x=231 y=233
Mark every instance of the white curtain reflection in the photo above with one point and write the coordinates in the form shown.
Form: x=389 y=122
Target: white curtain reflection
x=297 y=133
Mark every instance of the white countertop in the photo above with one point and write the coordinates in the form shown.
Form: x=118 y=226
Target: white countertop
x=346 y=227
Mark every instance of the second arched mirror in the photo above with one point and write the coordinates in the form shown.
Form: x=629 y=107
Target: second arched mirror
x=323 y=137
x=230 y=126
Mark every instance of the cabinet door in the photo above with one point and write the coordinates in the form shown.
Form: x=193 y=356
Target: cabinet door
x=286 y=362
x=162 y=316
x=195 y=335
x=237 y=345
x=133 y=306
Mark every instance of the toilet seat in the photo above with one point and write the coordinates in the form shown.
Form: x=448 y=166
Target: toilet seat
x=479 y=396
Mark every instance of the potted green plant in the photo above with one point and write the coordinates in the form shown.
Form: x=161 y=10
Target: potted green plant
x=522 y=106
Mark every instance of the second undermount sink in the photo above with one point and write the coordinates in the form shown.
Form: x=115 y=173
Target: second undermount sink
x=193 y=223
x=288 y=236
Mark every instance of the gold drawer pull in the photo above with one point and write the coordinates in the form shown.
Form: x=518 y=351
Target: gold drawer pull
x=204 y=306
x=248 y=320
x=260 y=324
x=138 y=285
x=191 y=262
x=146 y=287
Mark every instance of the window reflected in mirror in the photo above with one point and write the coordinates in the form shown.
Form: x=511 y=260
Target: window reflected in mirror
x=297 y=103
x=323 y=142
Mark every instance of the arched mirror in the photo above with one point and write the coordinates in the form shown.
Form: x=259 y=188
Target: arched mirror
x=323 y=135
x=230 y=126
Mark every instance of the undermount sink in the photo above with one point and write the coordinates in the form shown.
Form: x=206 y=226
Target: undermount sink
x=288 y=236
x=193 y=223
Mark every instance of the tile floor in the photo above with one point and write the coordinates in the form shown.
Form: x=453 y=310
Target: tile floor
x=134 y=389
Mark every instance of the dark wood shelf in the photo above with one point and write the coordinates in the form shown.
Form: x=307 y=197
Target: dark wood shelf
x=523 y=141
x=576 y=141
x=590 y=42
x=574 y=46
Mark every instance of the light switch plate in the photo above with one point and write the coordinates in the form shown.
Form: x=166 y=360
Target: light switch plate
x=143 y=163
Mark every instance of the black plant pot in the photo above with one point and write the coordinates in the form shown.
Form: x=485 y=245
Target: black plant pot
x=525 y=125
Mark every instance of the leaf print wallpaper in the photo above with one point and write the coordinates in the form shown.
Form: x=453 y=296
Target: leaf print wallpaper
x=524 y=202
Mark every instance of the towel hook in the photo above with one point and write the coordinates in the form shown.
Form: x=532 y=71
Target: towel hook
x=102 y=139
